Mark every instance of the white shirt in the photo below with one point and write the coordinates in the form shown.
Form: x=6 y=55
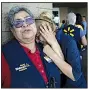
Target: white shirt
x=56 y=19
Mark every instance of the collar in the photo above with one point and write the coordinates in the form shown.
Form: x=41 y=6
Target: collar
x=27 y=50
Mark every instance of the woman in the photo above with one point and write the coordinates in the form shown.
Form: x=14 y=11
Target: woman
x=23 y=61
x=72 y=69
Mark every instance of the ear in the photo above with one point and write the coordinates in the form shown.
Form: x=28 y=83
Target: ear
x=12 y=30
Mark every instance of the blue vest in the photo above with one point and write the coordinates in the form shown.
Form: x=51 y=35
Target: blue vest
x=23 y=73
x=72 y=56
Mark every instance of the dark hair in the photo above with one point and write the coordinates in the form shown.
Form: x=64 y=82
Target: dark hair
x=63 y=21
x=15 y=10
x=79 y=20
x=84 y=16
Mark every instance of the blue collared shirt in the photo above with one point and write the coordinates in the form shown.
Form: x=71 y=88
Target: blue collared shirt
x=72 y=56
x=85 y=26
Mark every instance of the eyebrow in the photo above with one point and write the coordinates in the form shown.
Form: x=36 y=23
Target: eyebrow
x=27 y=17
x=24 y=18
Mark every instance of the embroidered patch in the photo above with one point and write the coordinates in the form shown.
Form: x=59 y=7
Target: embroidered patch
x=22 y=67
x=69 y=32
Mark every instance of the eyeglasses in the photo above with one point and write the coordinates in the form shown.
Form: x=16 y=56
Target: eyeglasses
x=20 y=23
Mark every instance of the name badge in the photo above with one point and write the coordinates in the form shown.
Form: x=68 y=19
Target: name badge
x=48 y=59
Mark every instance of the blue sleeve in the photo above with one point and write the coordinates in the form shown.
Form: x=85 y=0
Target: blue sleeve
x=73 y=58
x=85 y=25
x=82 y=33
x=58 y=34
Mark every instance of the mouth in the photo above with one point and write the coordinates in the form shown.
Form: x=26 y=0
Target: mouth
x=26 y=30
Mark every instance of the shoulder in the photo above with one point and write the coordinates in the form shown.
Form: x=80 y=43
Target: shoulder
x=9 y=42
x=79 y=26
x=9 y=45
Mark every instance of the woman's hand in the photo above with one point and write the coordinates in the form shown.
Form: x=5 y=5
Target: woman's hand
x=49 y=36
x=47 y=33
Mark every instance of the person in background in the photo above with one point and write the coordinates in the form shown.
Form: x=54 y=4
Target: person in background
x=85 y=24
x=79 y=21
x=75 y=32
x=56 y=20
x=63 y=24
x=71 y=67
x=84 y=51
x=80 y=25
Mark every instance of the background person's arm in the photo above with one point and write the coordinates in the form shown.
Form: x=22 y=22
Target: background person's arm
x=84 y=41
x=83 y=38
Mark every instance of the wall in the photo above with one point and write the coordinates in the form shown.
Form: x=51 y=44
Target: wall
x=36 y=9
x=82 y=11
x=65 y=10
x=63 y=13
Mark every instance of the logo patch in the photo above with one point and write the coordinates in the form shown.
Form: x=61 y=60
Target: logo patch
x=69 y=32
x=22 y=67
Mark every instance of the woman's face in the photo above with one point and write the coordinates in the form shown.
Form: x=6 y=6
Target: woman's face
x=38 y=24
x=24 y=28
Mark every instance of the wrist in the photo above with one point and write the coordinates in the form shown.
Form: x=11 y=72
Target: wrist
x=55 y=44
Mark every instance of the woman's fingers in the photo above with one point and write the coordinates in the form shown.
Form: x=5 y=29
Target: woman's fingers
x=45 y=28
x=49 y=28
x=42 y=29
x=43 y=34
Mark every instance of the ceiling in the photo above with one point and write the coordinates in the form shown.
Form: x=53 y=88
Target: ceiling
x=70 y=4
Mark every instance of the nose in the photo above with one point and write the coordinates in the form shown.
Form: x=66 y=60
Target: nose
x=25 y=24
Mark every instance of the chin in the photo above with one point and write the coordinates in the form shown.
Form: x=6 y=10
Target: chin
x=27 y=42
x=28 y=36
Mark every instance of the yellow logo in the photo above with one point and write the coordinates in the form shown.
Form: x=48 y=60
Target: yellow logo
x=69 y=32
x=22 y=67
